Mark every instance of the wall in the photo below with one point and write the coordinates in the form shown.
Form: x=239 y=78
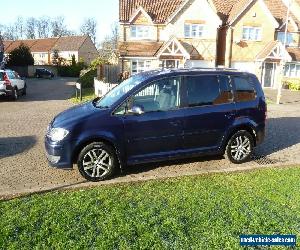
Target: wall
x=88 y=51
x=256 y=16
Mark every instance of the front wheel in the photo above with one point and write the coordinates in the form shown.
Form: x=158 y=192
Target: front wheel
x=240 y=147
x=97 y=162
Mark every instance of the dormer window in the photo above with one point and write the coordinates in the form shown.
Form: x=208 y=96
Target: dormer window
x=289 y=39
x=252 y=33
x=140 y=32
x=193 y=30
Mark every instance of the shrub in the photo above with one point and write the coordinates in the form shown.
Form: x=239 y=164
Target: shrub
x=71 y=70
x=87 y=78
x=21 y=56
x=293 y=84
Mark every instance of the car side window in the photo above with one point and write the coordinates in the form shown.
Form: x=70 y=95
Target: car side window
x=11 y=75
x=226 y=94
x=17 y=75
x=244 y=90
x=161 y=95
x=203 y=91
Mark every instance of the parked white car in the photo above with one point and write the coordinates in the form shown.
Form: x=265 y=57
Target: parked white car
x=11 y=84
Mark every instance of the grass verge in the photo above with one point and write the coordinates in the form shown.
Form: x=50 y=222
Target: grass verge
x=203 y=212
x=88 y=94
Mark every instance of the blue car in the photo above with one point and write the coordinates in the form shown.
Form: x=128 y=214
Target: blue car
x=161 y=115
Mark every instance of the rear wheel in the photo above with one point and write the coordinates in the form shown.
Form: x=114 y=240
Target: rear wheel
x=240 y=147
x=97 y=162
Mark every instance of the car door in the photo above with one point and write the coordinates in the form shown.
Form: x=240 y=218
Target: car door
x=210 y=111
x=158 y=132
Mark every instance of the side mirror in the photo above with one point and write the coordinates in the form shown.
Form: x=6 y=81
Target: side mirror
x=136 y=110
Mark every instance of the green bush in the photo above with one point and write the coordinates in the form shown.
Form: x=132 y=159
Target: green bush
x=71 y=70
x=293 y=84
x=87 y=78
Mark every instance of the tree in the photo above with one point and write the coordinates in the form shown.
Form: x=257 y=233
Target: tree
x=43 y=27
x=73 y=60
x=110 y=43
x=59 y=27
x=30 y=28
x=9 y=33
x=20 y=56
x=19 y=28
x=89 y=27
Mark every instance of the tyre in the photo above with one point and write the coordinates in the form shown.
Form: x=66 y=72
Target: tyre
x=97 y=162
x=15 y=94
x=37 y=76
x=240 y=147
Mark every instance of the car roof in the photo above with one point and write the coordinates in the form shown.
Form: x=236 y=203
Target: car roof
x=192 y=71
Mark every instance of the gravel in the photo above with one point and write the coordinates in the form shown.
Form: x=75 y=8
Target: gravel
x=23 y=165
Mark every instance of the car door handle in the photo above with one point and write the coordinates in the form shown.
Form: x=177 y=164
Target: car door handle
x=175 y=123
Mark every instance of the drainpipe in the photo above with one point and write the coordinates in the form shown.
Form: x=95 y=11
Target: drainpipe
x=283 y=61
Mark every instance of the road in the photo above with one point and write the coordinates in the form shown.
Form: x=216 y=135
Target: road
x=23 y=165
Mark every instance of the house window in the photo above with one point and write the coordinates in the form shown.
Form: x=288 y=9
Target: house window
x=42 y=55
x=138 y=66
x=140 y=32
x=252 y=33
x=292 y=70
x=289 y=38
x=193 y=30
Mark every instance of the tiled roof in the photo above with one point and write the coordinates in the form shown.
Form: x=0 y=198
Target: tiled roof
x=70 y=43
x=237 y=9
x=294 y=53
x=140 y=49
x=158 y=10
x=43 y=45
x=7 y=44
x=224 y=8
x=17 y=43
x=279 y=11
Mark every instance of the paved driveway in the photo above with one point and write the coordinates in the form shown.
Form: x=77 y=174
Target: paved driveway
x=24 y=169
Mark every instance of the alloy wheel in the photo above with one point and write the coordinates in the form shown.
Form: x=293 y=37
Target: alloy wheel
x=97 y=163
x=240 y=148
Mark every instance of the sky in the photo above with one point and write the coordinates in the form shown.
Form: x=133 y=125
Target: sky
x=106 y=12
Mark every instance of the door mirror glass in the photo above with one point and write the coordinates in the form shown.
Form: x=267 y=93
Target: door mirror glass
x=136 y=110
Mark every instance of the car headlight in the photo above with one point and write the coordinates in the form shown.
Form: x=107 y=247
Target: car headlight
x=58 y=134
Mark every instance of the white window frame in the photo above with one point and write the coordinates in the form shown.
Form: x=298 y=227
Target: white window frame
x=141 y=66
x=194 y=30
x=248 y=36
x=140 y=32
x=293 y=70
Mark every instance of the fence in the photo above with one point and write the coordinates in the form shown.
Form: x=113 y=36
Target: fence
x=109 y=73
x=102 y=88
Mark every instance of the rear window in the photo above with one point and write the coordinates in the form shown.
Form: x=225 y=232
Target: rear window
x=244 y=89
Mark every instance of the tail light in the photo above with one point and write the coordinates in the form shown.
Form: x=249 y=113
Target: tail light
x=7 y=82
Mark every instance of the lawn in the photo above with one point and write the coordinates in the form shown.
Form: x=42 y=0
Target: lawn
x=87 y=95
x=202 y=212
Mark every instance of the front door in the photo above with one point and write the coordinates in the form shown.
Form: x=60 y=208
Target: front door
x=158 y=132
x=269 y=74
x=210 y=111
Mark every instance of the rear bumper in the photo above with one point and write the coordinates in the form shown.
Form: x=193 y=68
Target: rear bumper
x=58 y=155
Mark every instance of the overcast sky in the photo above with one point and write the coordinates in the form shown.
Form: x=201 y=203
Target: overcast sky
x=105 y=11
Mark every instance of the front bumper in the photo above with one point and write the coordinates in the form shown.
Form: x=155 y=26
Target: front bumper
x=59 y=155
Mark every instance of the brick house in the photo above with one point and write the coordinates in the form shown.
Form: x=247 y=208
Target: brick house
x=42 y=49
x=164 y=33
x=243 y=34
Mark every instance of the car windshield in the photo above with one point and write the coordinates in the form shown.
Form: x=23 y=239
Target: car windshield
x=118 y=92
